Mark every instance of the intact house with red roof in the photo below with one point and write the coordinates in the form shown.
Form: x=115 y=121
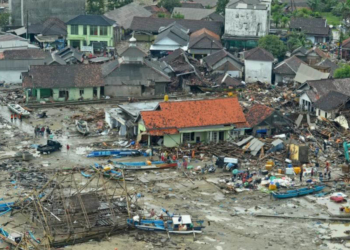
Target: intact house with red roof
x=176 y=122
x=266 y=121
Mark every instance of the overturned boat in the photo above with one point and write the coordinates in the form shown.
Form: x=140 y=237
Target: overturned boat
x=82 y=127
x=17 y=109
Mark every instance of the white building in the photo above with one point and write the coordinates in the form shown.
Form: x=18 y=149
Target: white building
x=328 y=105
x=11 y=42
x=258 y=65
x=247 y=20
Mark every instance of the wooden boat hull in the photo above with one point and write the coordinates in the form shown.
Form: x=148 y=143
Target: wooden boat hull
x=17 y=109
x=297 y=192
x=114 y=152
x=148 y=167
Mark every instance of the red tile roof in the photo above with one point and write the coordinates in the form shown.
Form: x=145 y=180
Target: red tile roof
x=258 y=113
x=194 y=113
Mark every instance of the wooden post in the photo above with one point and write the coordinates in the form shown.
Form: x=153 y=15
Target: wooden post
x=126 y=194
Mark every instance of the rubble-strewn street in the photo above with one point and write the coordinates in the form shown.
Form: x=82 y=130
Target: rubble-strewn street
x=170 y=124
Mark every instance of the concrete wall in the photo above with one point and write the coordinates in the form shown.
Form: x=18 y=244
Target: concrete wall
x=327 y=115
x=11 y=76
x=172 y=140
x=258 y=71
x=245 y=22
x=90 y=38
x=74 y=94
x=305 y=103
x=284 y=78
x=122 y=90
x=39 y=10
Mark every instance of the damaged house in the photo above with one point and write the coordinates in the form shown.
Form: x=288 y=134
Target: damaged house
x=285 y=71
x=63 y=83
x=133 y=75
x=193 y=121
x=312 y=91
x=266 y=121
x=124 y=117
x=328 y=106
x=223 y=62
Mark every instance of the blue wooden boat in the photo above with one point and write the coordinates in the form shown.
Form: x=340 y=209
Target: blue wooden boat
x=163 y=165
x=6 y=206
x=138 y=163
x=114 y=152
x=296 y=192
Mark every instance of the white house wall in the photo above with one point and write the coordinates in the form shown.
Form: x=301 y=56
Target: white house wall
x=245 y=22
x=11 y=76
x=258 y=71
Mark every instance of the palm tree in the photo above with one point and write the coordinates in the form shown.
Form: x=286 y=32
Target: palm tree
x=284 y=21
x=313 y=4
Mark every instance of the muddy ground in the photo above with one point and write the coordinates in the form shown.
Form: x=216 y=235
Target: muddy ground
x=233 y=217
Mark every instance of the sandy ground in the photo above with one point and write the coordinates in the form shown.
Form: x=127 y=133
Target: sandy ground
x=232 y=217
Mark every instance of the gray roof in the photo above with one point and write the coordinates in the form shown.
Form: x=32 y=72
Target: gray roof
x=124 y=15
x=248 y=4
x=204 y=41
x=51 y=26
x=152 y=25
x=331 y=101
x=67 y=55
x=328 y=63
x=10 y=37
x=109 y=67
x=94 y=20
x=217 y=56
x=205 y=3
x=312 y=26
x=322 y=87
x=289 y=66
x=217 y=17
x=193 y=14
x=306 y=73
x=175 y=33
x=301 y=50
x=63 y=76
x=192 y=5
x=133 y=51
x=24 y=54
x=258 y=54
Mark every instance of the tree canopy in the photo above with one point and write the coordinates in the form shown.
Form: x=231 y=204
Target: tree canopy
x=4 y=19
x=274 y=45
x=342 y=72
x=170 y=4
x=115 y=4
x=221 y=5
x=96 y=7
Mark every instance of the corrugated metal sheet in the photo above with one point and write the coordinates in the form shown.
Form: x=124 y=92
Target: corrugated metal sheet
x=244 y=141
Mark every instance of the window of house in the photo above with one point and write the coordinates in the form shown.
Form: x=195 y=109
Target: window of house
x=188 y=137
x=85 y=30
x=319 y=112
x=215 y=136
x=103 y=31
x=325 y=115
x=62 y=94
x=93 y=30
x=74 y=29
x=81 y=92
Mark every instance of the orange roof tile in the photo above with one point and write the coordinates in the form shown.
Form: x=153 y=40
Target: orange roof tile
x=258 y=113
x=194 y=113
x=205 y=31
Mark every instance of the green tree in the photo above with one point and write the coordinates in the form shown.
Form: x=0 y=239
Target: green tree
x=342 y=72
x=115 y=4
x=273 y=44
x=178 y=16
x=221 y=5
x=284 y=21
x=276 y=18
x=297 y=39
x=4 y=19
x=170 y=4
x=96 y=7
x=313 y=4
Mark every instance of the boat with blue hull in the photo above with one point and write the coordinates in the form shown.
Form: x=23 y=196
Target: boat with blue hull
x=296 y=192
x=138 y=163
x=177 y=224
x=114 y=152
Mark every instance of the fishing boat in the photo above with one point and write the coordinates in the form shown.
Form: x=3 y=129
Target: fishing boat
x=296 y=192
x=114 y=152
x=109 y=173
x=178 y=224
x=17 y=109
x=82 y=127
x=147 y=167
x=138 y=163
